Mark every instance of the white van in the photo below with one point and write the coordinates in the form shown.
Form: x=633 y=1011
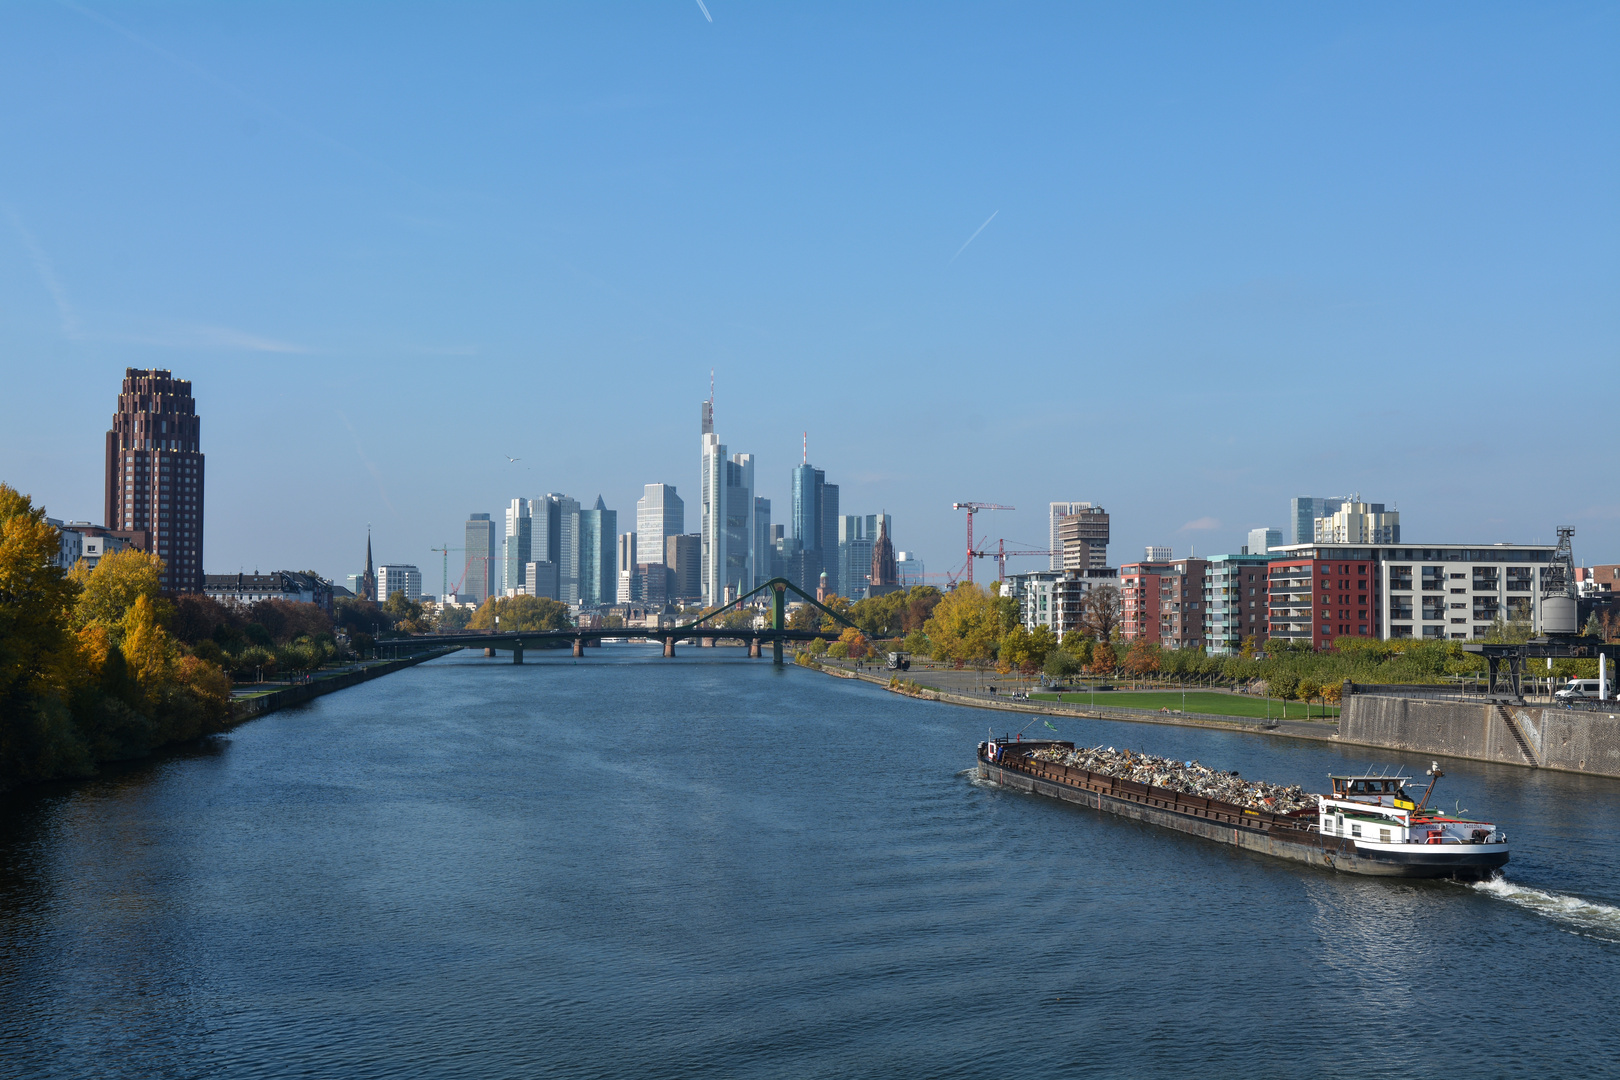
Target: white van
x=1581 y=690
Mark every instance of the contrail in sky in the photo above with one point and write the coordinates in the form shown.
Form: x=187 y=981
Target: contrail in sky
x=705 y=11
x=975 y=235
x=47 y=277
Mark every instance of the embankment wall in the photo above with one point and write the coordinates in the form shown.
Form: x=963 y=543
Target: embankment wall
x=296 y=695
x=1551 y=738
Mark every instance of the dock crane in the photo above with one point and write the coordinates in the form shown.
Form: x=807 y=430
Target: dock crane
x=973 y=508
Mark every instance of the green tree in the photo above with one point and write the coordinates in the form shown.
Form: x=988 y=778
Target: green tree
x=1060 y=664
x=965 y=626
x=107 y=591
x=529 y=613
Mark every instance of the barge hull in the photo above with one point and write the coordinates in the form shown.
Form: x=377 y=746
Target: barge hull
x=1165 y=808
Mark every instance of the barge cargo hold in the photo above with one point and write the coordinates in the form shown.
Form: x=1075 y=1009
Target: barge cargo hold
x=1451 y=850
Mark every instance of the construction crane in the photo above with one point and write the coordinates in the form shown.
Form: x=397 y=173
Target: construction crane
x=973 y=508
x=444 y=588
x=1001 y=555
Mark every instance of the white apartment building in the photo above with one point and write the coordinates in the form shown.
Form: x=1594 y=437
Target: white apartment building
x=1356 y=522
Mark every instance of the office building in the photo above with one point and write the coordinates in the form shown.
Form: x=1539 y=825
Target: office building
x=555 y=539
x=516 y=546
x=1057 y=512
x=540 y=579
x=1162 y=601
x=1083 y=539
x=399 y=578
x=1158 y=554
x=1235 y=600
x=1262 y=540
x=1320 y=592
x=660 y=514
x=909 y=568
x=625 y=565
x=154 y=474
x=726 y=521
x=1356 y=522
x=1302 y=514
x=598 y=576
x=684 y=556
x=815 y=525
x=854 y=557
x=650 y=583
x=761 y=546
x=480 y=579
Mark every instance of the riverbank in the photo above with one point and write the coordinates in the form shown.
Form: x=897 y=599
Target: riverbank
x=246 y=708
x=918 y=684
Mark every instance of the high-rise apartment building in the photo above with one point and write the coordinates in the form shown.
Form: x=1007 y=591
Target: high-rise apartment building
x=480 y=581
x=660 y=514
x=1159 y=554
x=1083 y=538
x=1056 y=513
x=598 y=575
x=1236 y=602
x=726 y=521
x=516 y=547
x=1163 y=602
x=1356 y=522
x=154 y=474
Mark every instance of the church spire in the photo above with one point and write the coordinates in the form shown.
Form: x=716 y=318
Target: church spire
x=368 y=583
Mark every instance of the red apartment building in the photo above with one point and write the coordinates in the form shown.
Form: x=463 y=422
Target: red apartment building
x=1318 y=600
x=1163 y=602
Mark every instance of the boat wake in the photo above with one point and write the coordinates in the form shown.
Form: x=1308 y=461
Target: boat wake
x=1586 y=917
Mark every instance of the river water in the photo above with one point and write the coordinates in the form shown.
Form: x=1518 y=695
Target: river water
x=627 y=866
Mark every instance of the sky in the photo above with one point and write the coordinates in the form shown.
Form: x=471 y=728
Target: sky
x=1184 y=261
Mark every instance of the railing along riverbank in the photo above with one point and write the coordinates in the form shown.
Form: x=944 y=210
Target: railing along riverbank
x=246 y=708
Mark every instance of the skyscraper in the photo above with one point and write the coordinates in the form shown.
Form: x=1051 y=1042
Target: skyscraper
x=1262 y=540
x=556 y=540
x=483 y=555
x=154 y=474
x=660 y=514
x=726 y=520
x=815 y=524
x=1083 y=538
x=598 y=575
x=517 y=545
x=761 y=546
x=854 y=556
x=684 y=556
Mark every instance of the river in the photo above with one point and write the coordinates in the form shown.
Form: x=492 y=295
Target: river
x=628 y=866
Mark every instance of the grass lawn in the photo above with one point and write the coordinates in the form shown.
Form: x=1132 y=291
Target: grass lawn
x=1198 y=701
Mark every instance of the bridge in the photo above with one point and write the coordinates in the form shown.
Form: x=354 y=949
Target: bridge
x=698 y=630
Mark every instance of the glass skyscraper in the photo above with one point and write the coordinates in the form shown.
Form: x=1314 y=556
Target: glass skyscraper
x=598 y=535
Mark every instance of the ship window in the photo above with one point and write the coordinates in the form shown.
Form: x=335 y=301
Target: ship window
x=1383 y=836
x=1355 y=830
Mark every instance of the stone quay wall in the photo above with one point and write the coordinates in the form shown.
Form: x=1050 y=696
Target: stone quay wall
x=1540 y=737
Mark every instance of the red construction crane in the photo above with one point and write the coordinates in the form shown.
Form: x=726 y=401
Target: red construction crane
x=973 y=508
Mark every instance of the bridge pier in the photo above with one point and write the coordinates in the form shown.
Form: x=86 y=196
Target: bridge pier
x=517 y=652
x=669 y=646
x=753 y=648
x=776 y=652
x=489 y=650
x=579 y=646
x=705 y=642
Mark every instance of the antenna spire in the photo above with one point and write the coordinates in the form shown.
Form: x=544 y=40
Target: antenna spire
x=805 y=460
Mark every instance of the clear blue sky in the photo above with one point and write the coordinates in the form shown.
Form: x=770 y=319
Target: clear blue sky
x=1239 y=252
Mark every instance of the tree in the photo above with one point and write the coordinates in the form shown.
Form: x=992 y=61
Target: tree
x=1104 y=659
x=1060 y=664
x=35 y=597
x=1251 y=647
x=1102 y=612
x=529 y=613
x=917 y=642
x=288 y=620
x=1142 y=658
x=854 y=643
x=108 y=590
x=964 y=627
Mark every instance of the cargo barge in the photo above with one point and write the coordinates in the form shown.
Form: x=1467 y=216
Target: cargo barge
x=1368 y=825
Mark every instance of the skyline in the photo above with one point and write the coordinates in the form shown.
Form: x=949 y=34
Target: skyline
x=1183 y=270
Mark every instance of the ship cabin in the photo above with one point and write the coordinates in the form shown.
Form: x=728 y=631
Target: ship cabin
x=1379 y=810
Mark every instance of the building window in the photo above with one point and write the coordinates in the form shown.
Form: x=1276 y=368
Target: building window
x=1434 y=579
x=1519 y=578
x=1400 y=578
